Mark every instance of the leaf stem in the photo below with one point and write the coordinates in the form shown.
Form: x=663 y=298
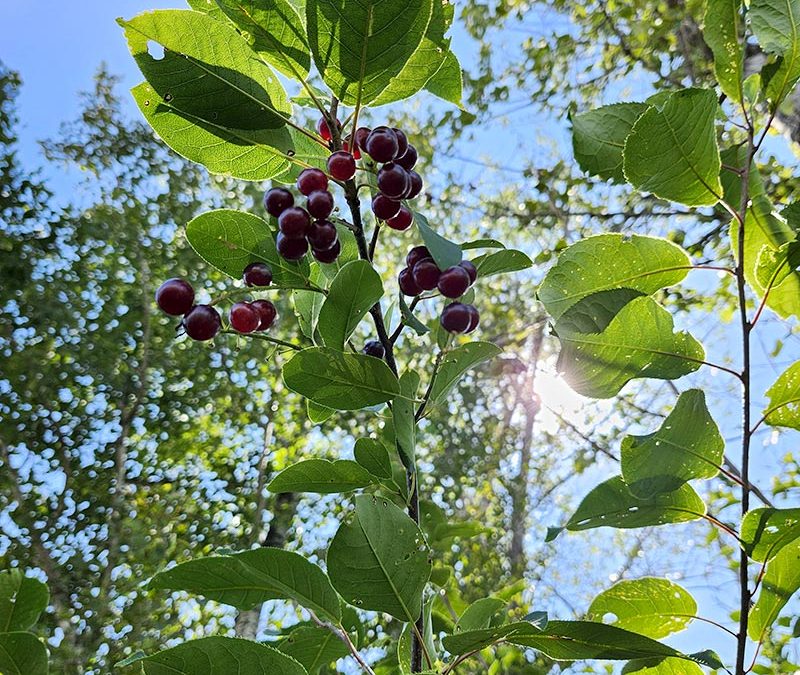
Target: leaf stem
x=266 y=338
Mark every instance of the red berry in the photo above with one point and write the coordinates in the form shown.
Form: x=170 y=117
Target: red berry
x=393 y=180
x=407 y=284
x=402 y=141
x=454 y=282
x=374 y=348
x=320 y=204
x=416 y=254
x=202 y=322
x=322 y=235
x=342 y=165
x=324 y=130
x=402 y=221
x=361 y=137
x=257 y=274
x=381 y=144
x=426 y=274
x=471 y=270
x=310 y=180
x=328 y=255
x=346 y=146
x=266 y=313
x=294 y=222
x=277 y=200
x=291 y=249
x=408 y=159
x=175 y=296
x=474 y=318
x=244 y=318
x=383 y=207
x=415 y=184
x=456 y=318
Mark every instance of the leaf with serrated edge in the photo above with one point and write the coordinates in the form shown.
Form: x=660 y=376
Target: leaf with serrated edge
x=723 y=34
x=458 y=361
x=781 y=581
x=783 y=409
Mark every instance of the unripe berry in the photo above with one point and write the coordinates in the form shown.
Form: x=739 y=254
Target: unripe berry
x=202 y=322
x=175 y=296
x=257 y=274
x=415 y=184
x=291 y=249
x=402 y=221
x=294 y=222
x=374 y=348
x=277 y=200
x=322 y=235
x=310 y=180
x=266 y=313
x=381 y=144
x=471 y=270
x=320 y=204
x=426 y=274
x=324 y=130
x=244 y=318
x=383 y=207
x=416 y=254
x=342 y=165
x=328 y=255
x=453 y=282
x=408 y=159
x=407 y=284
x=393 y=180
x=456 y=318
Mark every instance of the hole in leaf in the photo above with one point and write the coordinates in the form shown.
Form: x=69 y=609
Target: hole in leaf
x=155 y=50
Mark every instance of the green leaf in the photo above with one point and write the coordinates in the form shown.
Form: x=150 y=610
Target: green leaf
x=232 y=656
x=275 y=31
x=405 y=425
x=687 y=446
x=359 y=47
x=502 y=262
x=444 y=252
x=447 y=83
x=374 y=457
x=781 y=581
x=637 y=342
x=307 y=305
x=482 y=243
x=408 y=316
x=22 y=654
x=230 y=240
x=317 y=413
x=672 y=150
x=611 y=504
x=340 y=381
x=776 y=24
x=456 y=363
x=349 y=251
x=313 y=647
x=355 y=289
x=321 y=476
x=766 y=531
x=776 y=265
x=648 y=606
x=378 y=560
x=611 y=261
x=784 y=400
x=247 y=579
x=723 y=34
x=207 y=70
x=474 y=640
x=22 y=600
x=598 y=137
x=659 y=666
x=479 y=614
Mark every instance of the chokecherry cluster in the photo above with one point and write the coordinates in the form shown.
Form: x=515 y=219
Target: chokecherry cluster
x=423 y=274
x=202 y=322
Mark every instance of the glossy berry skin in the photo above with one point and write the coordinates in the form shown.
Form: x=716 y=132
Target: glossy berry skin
x=342 y=165
x=402 y=221
x=414 y=185
x=470 y=269
x=319 y=204
x=393 y=181
x=361 y=137
x=402 y=141
x=244 y=319
x=383 y=207
x=330 y=254
x=456 y=318
x=453 y=282
x=407 y=284
x=355 y=151
x=277 y=200
x=426 y=274
x=408 y=159
x=266 y=313
x=416 y=254
x=294 y=222
x=324 y=130
x=291 y=249
x=175 y=297
x=322 y=235
x=257 y=274
x=381 y=144
x=374 y=348
x=310 y=180
x=202 y=322
x=474 y=318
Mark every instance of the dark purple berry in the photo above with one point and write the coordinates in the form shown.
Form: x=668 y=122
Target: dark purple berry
x=393 y=180
x=381 y=144
x=175 y=296
x=402 y=221
x=266 y=313
x=474 y=318
x=402 y=141
x=408 y=159
x=416 y=254
x=320 y=204
x=361 y=137
x=426 y=274
x=291 y=249
x=415 y=184
x=454 y=282
x=257 y=274
x=294 y=222
x=322 y=235
x=383 y=207
x=342 y=165
x=202 y=322
x=456 y=318
x=471 y=270
x=244 y=318
x=374 y=348
x=328 y=255
x=407 y=284
x=277 y=200
x=310 y=180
